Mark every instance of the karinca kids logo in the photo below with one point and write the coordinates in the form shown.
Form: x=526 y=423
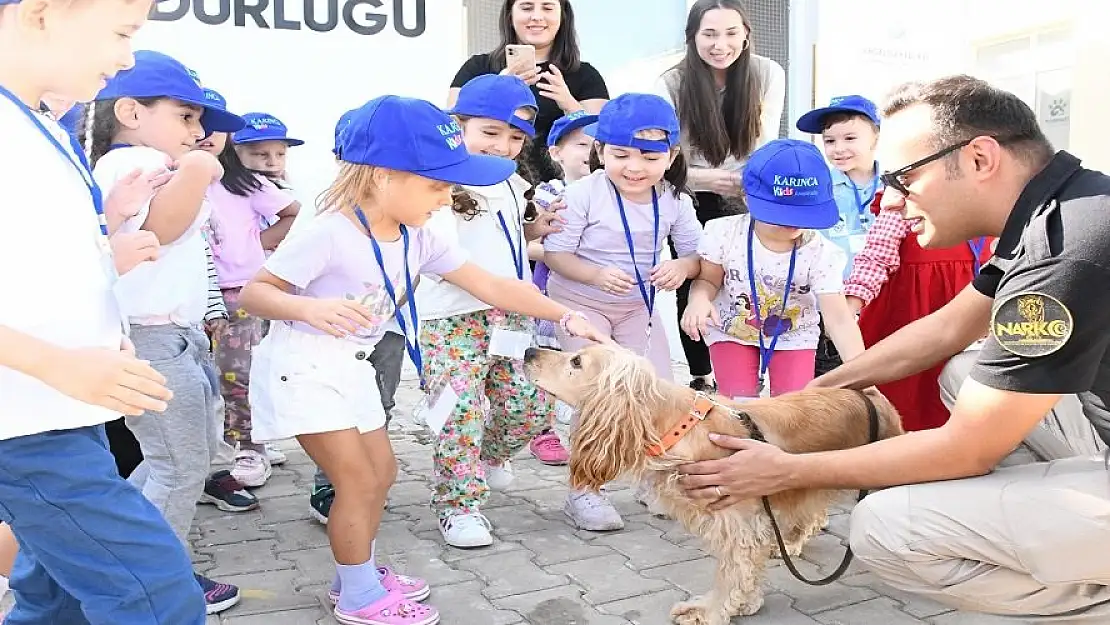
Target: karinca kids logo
x=1031 y=324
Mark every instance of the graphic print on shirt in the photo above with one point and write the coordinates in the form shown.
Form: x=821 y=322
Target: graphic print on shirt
x=740 y=321
x=376 y=299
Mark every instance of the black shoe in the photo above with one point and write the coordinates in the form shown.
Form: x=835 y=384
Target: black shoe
x=227 y=494
x=320 y=503
x=702 y=385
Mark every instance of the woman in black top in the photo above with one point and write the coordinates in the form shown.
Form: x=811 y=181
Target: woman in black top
x=561 y=81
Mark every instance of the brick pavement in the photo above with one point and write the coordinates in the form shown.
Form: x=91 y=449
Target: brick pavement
x=540 y=570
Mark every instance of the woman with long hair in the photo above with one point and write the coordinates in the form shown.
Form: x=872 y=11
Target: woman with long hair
x=560 y=80
x=729 y=102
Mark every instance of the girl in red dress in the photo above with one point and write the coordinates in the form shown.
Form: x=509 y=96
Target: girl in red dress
x=895 y=282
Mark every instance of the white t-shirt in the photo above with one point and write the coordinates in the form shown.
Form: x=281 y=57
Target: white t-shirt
x=484 y=238
x=174 y=288
x=56 y=271
x=818 y=269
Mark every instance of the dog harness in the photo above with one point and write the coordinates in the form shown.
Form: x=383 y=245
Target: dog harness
x=703 y=404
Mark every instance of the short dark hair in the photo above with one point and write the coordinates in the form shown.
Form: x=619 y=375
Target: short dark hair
x=840 y=117
x=964 y=107
x=564 y=50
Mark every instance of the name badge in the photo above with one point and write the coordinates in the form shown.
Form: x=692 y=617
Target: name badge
x=438 y=404
x=511 y=344
x=856 y=243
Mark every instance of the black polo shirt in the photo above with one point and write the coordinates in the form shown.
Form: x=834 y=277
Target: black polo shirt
x=1050 y=280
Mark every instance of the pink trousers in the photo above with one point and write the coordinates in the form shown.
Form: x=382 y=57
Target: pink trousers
x=627 y=324
x=736 y=368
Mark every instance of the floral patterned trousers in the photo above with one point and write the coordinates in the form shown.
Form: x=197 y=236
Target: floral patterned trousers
x=233 y=357
x=498 y=412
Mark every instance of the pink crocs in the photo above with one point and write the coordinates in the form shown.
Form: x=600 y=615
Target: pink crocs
x=393 y=609
x=412 y=588
x=548 y=449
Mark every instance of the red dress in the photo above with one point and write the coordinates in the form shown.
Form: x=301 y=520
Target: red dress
x=918 y=283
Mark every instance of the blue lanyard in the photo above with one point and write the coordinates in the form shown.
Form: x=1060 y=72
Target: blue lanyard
x=412 y=347
x=766 y=352
x=82 y=164
x=646 y=291
x=872 y=189
x=518 y=255
x=976 y=246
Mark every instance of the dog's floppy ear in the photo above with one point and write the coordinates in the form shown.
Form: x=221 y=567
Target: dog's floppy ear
x=615 y=422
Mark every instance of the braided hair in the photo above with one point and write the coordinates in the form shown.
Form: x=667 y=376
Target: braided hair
x=98 y=126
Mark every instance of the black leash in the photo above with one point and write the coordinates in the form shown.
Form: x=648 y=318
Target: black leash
x=873 y=436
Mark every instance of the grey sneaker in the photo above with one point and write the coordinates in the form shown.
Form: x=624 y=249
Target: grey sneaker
x=592 y=512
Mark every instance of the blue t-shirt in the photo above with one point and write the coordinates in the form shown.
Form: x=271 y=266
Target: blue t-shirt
x=854 y=204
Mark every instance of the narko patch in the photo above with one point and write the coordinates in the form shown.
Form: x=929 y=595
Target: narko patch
x=1031 y=324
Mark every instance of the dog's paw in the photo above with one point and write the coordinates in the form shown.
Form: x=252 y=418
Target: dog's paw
x=793 y=550
x=695 y=612
x=748 y=607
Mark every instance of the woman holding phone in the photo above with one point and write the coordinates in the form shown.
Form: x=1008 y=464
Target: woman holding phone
x=539 y=44
x=729 y=102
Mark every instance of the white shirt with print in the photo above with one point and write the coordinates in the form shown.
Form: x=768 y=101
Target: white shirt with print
x=818 y=270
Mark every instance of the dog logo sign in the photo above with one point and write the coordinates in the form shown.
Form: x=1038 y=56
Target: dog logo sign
x=1031 y=324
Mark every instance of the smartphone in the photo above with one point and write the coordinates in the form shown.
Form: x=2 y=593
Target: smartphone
x=520 y=58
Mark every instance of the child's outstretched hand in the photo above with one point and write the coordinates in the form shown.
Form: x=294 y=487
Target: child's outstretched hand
x=337 y=317
x=134 y=190
x=613 y=280
x=130 y=249
x=697 y=317
x=668 y=275
x=577 y=325
x=111 y=378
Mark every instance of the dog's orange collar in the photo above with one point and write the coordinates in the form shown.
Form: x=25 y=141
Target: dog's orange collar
x=700 y=410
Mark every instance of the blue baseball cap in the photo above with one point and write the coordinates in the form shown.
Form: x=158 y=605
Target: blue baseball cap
x=787 y=183
x=497 y=97
x=217 y=100
x=340 y=128
x=813 y=121
x=157 y=75
x=415 y=136
x=568 y=124
x=264 y=127
x=625 y=115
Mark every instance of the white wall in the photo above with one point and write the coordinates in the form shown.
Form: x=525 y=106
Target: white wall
x=307 y=78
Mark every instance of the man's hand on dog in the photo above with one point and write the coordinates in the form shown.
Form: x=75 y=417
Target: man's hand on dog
x=754 y=470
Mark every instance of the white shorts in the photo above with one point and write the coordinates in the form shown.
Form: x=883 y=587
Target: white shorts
x=305 y=383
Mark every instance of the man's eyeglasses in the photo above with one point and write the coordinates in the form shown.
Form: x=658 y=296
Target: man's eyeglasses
x=894 y=179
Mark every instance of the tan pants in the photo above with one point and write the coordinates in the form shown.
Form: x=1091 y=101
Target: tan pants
x=1030 y=541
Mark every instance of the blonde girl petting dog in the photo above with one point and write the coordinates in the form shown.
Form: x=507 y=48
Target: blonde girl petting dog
x=330 y=290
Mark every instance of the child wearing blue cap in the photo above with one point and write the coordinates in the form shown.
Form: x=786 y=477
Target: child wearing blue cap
x=763 y=276
x=94 y=550
x=263 y=144
x=387 y=359
x=144 y=118
x=329 y=290
x=242 y=201
x=480 y=347
x=607 y=262
x=849 y=129
x=569 y=147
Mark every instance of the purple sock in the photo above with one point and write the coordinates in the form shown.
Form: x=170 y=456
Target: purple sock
x=337 y=582
x=361 y=585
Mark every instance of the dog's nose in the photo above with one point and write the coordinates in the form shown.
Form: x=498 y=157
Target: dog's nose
x=531 y=353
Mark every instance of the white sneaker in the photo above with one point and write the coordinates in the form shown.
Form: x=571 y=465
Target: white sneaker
x=564 y=412
x=592 y=511
x=276 y=456
x=466 y=530
x=252 y=469
x=499 y=476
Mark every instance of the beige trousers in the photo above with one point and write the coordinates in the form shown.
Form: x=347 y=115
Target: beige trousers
x=1029 y=541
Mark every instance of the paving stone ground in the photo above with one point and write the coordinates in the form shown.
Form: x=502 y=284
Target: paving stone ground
x=539 y=571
